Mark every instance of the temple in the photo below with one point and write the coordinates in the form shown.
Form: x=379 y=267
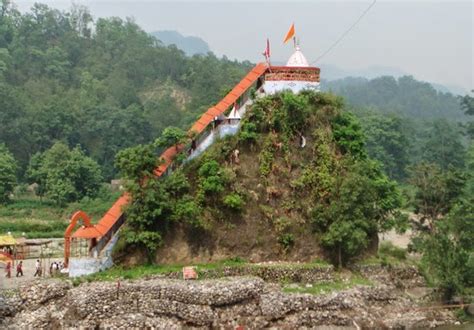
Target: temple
x=88 y=249
x=296 y=75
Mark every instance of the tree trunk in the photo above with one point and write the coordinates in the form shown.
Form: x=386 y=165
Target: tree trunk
x=339 y=256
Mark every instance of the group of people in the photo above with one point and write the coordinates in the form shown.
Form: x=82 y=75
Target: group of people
x=54 y=268
x=19 y=269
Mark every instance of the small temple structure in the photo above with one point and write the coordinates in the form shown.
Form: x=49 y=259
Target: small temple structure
x=296 y=75
x=88 y=249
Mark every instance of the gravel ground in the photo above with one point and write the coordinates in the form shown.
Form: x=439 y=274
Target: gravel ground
x=28 y=272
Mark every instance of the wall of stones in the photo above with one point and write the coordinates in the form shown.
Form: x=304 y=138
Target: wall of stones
x=229 y=302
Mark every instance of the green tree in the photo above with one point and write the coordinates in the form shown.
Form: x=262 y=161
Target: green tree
x=156 y=201
x=404 y=96
x=362 y=203
x=436 y=190
x=348 y=134
x=8 y=169
x=448 y=251
x=65 y=175
x=387 y=141
x=467 y=105
x=211 y=178
x=443 y=145
x=171 y=136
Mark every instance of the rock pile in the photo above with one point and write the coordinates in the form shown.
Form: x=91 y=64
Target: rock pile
x=269 y=272
x=402 y=277
x=227 y=302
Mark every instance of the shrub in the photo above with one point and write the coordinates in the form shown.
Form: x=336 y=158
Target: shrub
x=211 y=177
x=287 y=240
x=248 y=133
x=348 y=135
x=234 y=202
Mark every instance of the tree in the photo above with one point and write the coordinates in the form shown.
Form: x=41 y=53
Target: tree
x=147 y=212
x=404 y=96
x=437 y=190
x=443 y=145
x=171 y=136
x=387 y=141
x=65 y=175
x=467 y=105
x=448 y=251
x=349 y=135
x=362 y=202
x=8 y=169
x=106 y=85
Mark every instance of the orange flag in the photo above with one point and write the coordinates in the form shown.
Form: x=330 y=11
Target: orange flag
x=290 y=34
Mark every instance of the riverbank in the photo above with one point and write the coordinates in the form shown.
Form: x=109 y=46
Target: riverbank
x=388 y=297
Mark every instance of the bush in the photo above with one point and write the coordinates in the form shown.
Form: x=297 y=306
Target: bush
x=348 y=135
x=211 y=177
x=248 y=133
x=286 y=240
x=234 y=202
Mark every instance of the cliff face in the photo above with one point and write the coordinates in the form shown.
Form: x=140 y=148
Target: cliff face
x=259 y=195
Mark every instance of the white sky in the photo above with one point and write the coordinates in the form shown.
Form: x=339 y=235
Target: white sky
x=430 y=40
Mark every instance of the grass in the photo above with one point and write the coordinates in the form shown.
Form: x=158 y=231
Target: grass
x=119 y=272
x=328 y=286
x=43 y=219
x=388 y=254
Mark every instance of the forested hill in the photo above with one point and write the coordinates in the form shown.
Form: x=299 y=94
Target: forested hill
x=105 y=84
x=189 y=44
x=404 y=96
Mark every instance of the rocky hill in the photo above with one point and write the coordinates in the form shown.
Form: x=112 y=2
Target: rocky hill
x=293 y=180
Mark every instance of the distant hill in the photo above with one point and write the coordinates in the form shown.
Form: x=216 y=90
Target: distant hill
x=405 y=96
x=333 y=72
x=189 y=44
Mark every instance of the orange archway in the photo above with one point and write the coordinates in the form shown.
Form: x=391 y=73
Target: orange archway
x=67 y=235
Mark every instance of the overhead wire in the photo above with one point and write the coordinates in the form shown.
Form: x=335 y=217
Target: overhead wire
x=345 y=32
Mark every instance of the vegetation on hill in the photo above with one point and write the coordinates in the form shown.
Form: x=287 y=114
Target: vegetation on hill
x=404 y=96
x=330 y=191
x=7 y=174
x=105 y=84
x=190 y=45
x=445 y=200
x=75 y=94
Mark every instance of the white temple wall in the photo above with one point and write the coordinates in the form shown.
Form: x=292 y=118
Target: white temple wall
x=90 y=265
x=274 y=86
x=221 y=131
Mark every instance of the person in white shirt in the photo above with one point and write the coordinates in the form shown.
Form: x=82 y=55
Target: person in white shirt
x=38 y=268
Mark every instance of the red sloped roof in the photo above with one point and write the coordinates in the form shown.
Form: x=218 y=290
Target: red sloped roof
x=87 y=232
x=111 y=217
x=107 y=221
x=230 y=98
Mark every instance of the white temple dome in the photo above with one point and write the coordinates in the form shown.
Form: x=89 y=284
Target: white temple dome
x=297 y=59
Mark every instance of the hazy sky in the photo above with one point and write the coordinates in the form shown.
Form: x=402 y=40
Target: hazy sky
x=431 y=40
